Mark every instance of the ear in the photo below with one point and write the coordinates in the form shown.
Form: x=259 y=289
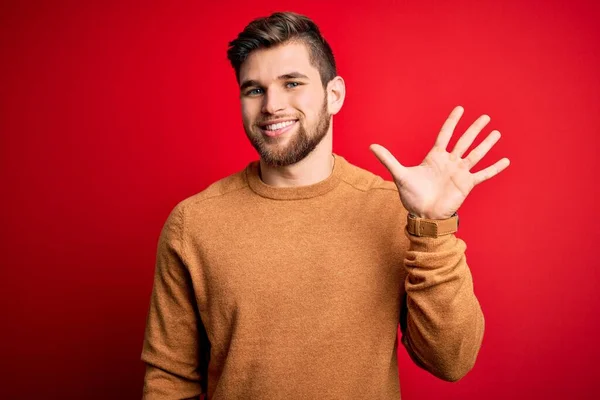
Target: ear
x=336 y=92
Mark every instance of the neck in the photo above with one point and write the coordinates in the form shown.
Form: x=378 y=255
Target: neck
x=314 y=168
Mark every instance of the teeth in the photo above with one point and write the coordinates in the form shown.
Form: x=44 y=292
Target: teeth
x=280 y=125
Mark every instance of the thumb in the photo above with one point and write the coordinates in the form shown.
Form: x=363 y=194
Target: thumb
x=389 y=161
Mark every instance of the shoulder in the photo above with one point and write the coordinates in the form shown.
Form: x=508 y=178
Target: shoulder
x=222 y=188
x=214 y=197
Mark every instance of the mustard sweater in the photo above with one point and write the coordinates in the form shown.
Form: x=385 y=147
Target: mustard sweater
x=297 y=293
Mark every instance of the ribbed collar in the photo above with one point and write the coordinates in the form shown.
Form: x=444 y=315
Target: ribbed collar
x=297 y=192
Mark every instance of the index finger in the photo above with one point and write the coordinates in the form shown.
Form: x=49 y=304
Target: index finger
x=448 y=128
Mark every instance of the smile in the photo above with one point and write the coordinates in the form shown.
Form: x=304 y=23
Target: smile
x=274 y=127
x=279 y=128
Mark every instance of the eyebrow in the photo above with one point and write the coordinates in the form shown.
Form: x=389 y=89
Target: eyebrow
x=291 y=75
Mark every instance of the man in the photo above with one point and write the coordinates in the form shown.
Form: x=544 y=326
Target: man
x=288 y=280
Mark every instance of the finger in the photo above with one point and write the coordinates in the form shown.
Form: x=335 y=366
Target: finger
x=470 y=134
x=480 y=151
x=389 y=161
x=491 y=171
x=448 y=128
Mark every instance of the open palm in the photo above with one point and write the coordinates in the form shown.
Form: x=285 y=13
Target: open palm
x=437 y=188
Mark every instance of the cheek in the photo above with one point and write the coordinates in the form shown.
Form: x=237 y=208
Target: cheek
x=248 y=113
x=304 y=99
x=310 y=104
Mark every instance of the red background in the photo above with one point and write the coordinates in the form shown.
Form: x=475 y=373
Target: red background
x=113 y=112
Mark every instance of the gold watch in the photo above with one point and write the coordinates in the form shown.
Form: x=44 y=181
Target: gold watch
x=431 y=227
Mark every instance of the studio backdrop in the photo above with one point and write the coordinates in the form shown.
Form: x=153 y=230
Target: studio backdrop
x=111 y=112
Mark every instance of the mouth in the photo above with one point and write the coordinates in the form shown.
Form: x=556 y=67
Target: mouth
x=277 y=128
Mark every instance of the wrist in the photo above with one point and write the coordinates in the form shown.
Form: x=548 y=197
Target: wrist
x=429 y=227
x=431 y=216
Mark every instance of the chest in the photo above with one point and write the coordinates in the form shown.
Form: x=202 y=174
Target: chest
x=280 y=262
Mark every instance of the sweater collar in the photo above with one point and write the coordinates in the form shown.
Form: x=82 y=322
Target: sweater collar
x=296 y=192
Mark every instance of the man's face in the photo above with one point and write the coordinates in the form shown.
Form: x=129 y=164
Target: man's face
x=284 y=105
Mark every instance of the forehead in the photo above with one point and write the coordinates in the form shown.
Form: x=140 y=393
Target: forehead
x=267 y=64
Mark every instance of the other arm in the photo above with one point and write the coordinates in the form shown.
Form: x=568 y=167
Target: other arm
x=175 y=341
x=441 y=320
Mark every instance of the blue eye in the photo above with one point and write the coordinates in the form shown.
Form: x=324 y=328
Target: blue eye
x=294 y=84
x=253 y=92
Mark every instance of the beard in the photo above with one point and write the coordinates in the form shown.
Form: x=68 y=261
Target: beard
x=299 y=145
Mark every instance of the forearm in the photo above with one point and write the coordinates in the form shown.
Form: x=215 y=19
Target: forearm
x=160 y=384
x=170 y=352
x=443 y=323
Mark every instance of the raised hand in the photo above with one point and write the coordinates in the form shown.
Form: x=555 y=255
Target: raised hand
x=437 y=188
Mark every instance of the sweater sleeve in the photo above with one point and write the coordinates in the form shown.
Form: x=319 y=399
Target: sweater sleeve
x=441 y=320
x=174 y=341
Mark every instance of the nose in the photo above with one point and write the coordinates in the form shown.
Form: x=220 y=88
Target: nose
x=272 y=102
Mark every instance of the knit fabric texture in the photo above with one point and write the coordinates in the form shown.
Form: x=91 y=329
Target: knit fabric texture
x=264 y=292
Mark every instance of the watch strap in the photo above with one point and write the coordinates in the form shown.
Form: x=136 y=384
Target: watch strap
x=424 y=227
